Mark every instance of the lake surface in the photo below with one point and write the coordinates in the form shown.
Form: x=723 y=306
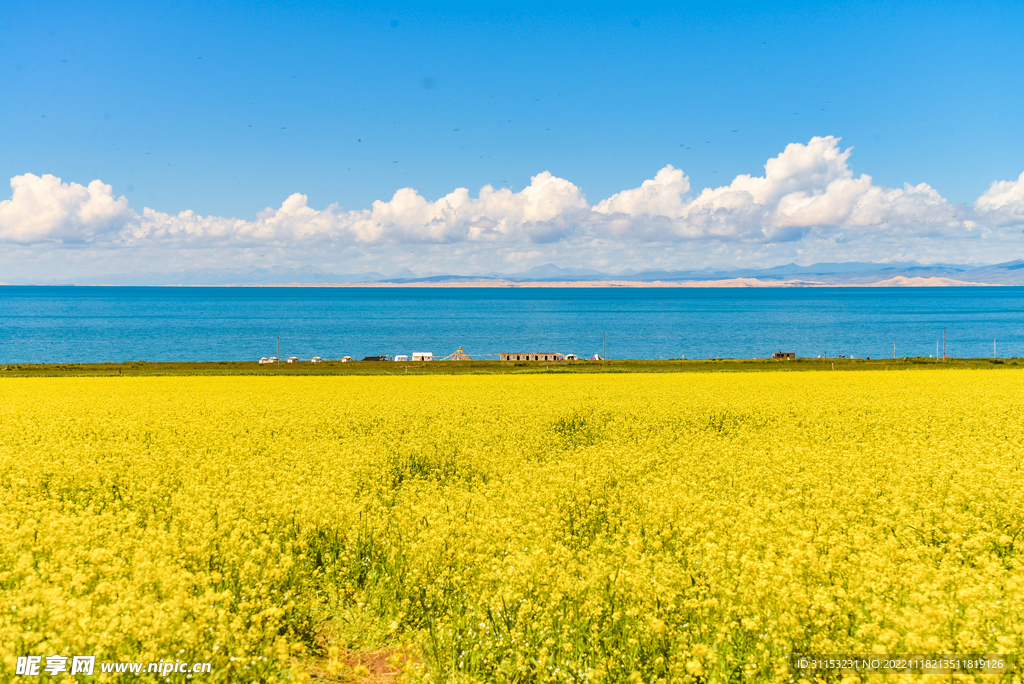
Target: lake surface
x=92 y=324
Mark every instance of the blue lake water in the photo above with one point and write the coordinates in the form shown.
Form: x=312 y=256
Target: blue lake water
x=90 y=324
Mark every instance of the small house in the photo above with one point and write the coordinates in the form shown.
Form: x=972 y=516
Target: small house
x=784 y=355
x=530 y=356
x=423 y=356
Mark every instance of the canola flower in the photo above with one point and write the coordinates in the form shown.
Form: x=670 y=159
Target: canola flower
x=541 y=528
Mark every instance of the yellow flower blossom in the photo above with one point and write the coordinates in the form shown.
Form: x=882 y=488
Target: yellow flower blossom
x=557 y=528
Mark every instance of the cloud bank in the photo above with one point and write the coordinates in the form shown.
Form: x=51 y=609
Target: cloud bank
x=43 y=209
x=808 y=202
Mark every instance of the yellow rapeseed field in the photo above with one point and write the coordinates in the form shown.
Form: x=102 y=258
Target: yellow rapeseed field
x=501 y=528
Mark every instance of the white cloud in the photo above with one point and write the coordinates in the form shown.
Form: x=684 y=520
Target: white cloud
x=799 y=169
x=913 y=210
x=294 y=221
x=808 y=203
x=539 y=213
x=43 y=209
x=806 y=186
x=1003 y=202
x=536 y=213
x=659 y=196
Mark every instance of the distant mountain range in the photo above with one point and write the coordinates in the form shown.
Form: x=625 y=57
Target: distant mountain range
x=849 y=273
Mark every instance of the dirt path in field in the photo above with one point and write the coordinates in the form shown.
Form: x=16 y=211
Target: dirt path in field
x=382 y=666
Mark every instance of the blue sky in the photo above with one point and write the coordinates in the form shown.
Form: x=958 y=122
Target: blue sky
x=228 y=109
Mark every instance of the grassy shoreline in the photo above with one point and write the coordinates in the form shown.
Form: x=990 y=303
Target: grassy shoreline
x=220 y=368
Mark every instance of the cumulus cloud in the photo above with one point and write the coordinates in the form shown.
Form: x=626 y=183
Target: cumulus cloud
x=659 y=196
x=808 y=197
x=804 y=187
x=1003 y=202
x=43 y=209
x=540 y=213
x=537 y=213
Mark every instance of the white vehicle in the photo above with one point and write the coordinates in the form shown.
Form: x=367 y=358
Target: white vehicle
x=423 y=356
x=402 y=357
x=316 y=359
x=346 y=359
